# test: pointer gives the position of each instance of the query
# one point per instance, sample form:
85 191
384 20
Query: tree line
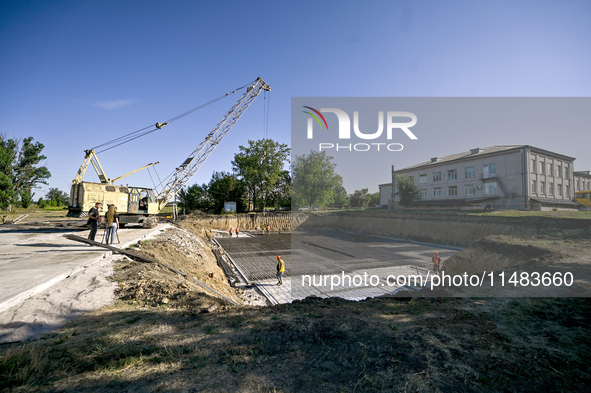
259 179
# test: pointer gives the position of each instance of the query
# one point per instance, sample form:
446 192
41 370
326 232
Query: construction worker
436 263
268 229
237 231
280 270
230 231
93 219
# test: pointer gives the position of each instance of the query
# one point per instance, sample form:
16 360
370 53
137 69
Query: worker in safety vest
280 270
436 263
230 232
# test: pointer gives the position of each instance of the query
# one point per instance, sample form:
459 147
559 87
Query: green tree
374 199
339 196
359 198
26 198
18 168
407 191
225 187
281 195
59 197
260 166
314 179
195 197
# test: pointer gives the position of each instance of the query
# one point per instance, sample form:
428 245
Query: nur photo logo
392 120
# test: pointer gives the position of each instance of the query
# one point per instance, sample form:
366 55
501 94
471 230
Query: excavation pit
332 263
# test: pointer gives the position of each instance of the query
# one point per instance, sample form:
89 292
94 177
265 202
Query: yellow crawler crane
140 204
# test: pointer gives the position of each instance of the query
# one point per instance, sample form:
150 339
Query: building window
452 175
566 192
532 167
534 190
491 188
470 172
549 169
423 179
577 186
490 170
436 176
436 192
558 171
423 192
541 168
542 187
559 189
550 188
469 189
566 172
452 191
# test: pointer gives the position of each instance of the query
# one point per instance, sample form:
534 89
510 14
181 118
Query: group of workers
111 218
266 230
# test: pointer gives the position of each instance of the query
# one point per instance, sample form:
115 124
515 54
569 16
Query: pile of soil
527 254
150 284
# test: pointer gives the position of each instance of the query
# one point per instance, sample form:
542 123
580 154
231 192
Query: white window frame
551 188
543 187
533 166
437 192
534 187
423 178
470 170
439 176
423 193
452 191
452 174
488 187
469 189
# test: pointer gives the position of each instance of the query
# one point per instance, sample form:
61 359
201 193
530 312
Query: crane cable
134 135
266 105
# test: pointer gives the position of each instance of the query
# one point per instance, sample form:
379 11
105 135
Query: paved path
33 259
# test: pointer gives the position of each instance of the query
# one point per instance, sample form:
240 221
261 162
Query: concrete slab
328 263
33 259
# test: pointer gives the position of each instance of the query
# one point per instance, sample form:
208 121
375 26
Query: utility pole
392 186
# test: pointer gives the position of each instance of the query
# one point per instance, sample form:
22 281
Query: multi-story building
513 177
582 180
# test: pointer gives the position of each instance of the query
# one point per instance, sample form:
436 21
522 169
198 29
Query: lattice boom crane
191 165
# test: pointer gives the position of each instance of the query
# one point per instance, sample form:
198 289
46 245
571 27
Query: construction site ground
160 331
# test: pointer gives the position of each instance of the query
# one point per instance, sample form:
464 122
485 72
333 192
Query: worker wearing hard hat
436 263
280 270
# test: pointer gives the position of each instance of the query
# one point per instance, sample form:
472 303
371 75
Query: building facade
510 177
582 180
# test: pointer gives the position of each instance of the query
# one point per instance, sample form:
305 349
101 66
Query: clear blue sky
80 73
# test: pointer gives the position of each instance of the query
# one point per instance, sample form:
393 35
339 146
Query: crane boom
191 165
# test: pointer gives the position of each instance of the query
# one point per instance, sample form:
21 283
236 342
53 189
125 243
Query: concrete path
33 259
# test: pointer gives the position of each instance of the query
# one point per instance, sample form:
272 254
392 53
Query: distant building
582 180
510 177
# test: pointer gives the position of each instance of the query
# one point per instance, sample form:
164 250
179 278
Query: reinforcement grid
325 252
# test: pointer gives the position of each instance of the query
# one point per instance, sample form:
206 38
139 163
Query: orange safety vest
436 260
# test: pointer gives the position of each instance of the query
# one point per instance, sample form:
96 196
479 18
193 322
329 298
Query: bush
41 203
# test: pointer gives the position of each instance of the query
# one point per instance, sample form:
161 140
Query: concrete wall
441 229
458 230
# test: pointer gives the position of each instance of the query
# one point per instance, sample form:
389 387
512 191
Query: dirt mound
527 255
150 284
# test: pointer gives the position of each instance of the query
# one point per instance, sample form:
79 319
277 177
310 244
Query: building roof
477 152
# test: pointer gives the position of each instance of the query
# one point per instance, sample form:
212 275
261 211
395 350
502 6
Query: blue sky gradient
76 74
